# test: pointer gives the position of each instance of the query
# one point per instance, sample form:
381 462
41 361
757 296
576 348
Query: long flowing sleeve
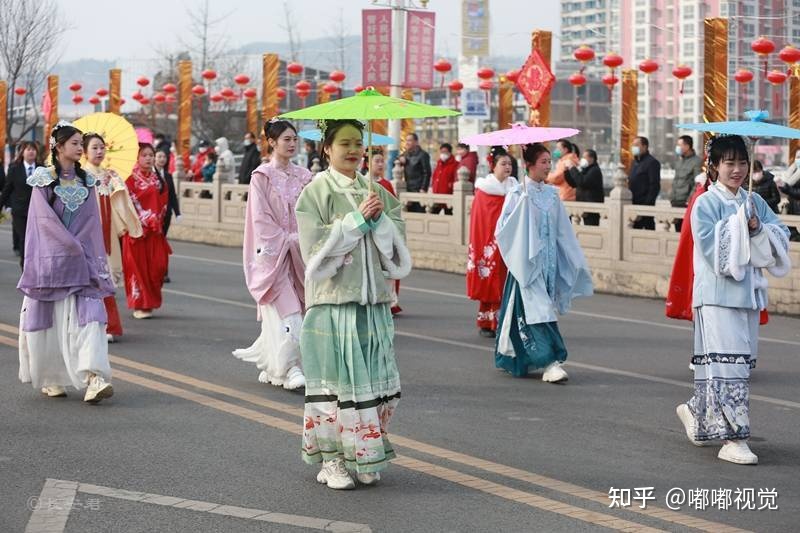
388 234
517 238
573 278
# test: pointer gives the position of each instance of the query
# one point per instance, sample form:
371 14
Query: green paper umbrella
369 105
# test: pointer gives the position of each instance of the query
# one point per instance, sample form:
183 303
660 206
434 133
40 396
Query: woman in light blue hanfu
736 235
547 270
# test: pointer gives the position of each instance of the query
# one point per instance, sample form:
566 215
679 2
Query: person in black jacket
644 180
587 179
793 192
764 185
173 207
17 193
251 159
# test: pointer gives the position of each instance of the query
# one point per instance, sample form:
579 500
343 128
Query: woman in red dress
486 271
145 259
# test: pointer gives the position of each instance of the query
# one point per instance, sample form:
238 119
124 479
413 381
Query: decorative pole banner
406 124
376 47
50 104
183 142
629 123
114 90
269 94
475 28
715 84
3 116
538 78
505 107
794 109
420 28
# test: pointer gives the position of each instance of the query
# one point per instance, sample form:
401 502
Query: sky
115 29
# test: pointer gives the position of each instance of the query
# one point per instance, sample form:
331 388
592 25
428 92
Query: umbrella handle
752 168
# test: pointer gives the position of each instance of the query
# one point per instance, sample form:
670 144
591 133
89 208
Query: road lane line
422 447
51 508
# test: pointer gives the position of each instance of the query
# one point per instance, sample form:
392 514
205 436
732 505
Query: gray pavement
479 450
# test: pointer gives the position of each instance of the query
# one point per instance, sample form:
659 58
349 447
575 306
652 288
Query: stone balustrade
624 260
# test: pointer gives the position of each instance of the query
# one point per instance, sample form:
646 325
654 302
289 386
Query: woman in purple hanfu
62 333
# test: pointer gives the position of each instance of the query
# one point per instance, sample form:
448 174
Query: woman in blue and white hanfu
735 235
546 270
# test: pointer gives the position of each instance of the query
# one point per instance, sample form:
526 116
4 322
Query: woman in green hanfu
353 243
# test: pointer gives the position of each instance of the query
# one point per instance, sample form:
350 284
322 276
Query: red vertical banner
376 47
420 40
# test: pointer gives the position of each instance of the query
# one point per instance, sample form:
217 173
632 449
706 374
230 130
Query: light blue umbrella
755 128
377 138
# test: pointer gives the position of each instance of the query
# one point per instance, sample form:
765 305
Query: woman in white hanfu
735 235
273 265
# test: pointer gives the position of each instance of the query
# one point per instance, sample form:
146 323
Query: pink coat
273 267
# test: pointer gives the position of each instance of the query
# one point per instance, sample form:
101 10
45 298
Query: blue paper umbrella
377 138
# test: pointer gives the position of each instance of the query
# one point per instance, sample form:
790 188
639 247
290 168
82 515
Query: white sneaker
294 379
334 474
554 373
737 451
138 313
109 338
98 390
369 478
54 391
687 418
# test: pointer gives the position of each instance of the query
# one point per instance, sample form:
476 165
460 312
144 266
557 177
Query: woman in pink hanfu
273 266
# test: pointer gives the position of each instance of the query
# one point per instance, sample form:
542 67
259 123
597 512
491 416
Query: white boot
294 379
98 390
334 474
369 478
737 451
554 373
54 391
686 416
110 338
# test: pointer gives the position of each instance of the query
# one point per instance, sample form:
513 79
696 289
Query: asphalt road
479 450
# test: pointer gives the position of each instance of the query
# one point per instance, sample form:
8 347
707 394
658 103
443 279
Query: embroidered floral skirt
725 349
487 315
534 345
145 261
352 384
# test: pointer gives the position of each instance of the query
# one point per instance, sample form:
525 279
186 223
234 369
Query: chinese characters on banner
475 28
376 47
419 49
535 79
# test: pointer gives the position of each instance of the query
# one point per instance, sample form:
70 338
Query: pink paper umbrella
144 135
519 134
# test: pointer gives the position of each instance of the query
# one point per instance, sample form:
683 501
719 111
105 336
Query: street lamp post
398 69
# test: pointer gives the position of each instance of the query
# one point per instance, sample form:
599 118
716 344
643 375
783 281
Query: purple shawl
61 261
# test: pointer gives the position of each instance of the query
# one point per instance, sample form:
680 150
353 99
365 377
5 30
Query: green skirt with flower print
352 384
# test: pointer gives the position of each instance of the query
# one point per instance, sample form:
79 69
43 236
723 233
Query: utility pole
398 69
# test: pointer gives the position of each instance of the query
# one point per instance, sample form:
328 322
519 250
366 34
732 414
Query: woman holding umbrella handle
353 244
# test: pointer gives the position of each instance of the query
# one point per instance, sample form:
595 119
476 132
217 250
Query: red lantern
138 96
577 79
789 54
281 93
762 46
486 85
170 88
142 82
513 75
776 77
609 80
102 92
442 66
209 75
227 92
613 60
302 93
216 98
241 79
75 87
198 90
681 72
144 101
358 88
648 66
294 68
455 85
159 98
302 85
250 93
485 73
743 76
584 54
171 99
77 99
337 76
94 100
330 88
20 91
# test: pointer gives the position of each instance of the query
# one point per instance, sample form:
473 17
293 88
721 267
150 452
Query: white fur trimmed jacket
349 259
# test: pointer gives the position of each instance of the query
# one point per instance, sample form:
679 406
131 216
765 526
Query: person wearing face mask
250 160
764 185
644 180
444 176
565 157
225 163
467 159
587 178
687 166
